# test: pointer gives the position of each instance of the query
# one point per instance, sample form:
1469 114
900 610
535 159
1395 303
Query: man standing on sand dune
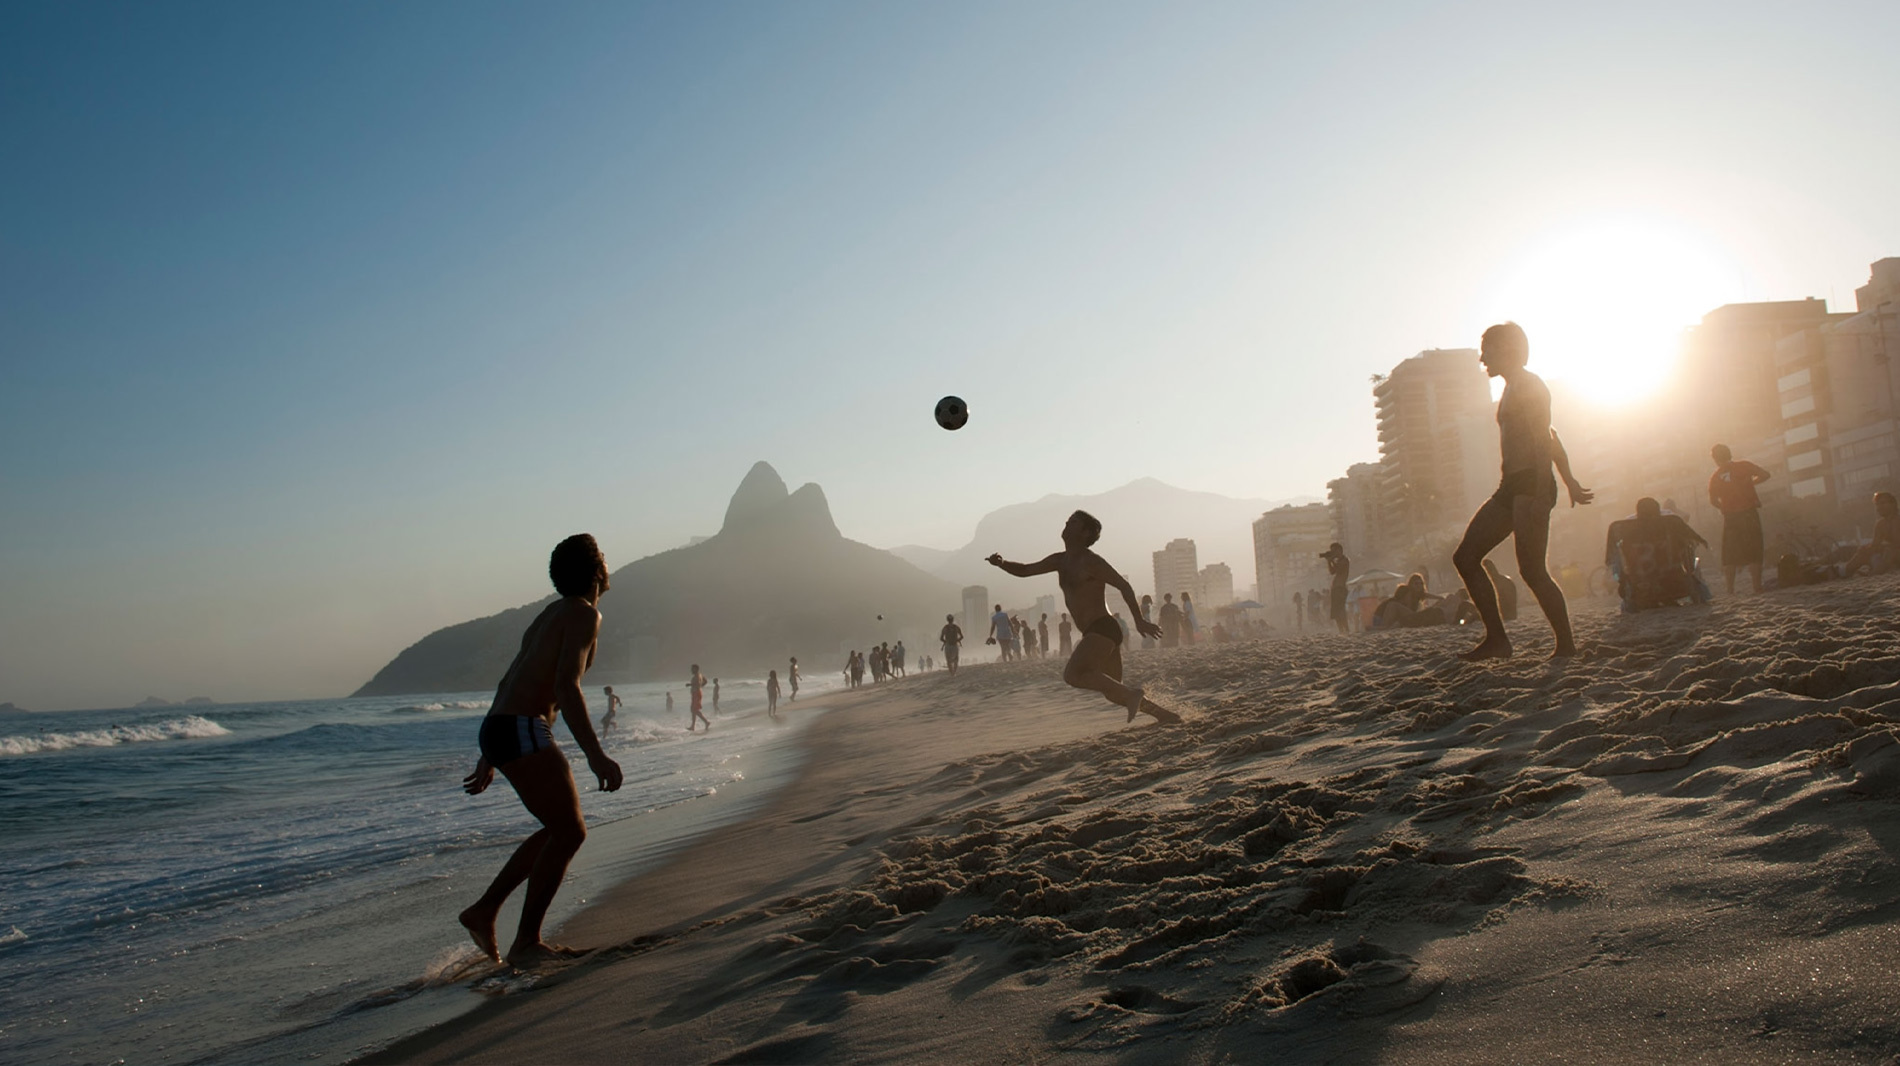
1085 578
517 738
1521 507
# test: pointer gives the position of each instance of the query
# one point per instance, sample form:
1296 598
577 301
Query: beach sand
1679 846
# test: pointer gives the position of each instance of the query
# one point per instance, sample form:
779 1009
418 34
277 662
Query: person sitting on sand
613 710
1521 507
1410 606
1877 555
517 738
1085 578
1653 557
951 637
771 694
697 683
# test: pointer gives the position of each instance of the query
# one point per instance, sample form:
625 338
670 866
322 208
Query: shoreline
1684 844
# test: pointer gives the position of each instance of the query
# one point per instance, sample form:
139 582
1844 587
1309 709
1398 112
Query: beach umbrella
1375 577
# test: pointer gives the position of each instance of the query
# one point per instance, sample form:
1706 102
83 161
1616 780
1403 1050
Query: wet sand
1679 846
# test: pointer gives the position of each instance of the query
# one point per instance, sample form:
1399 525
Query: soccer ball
952 412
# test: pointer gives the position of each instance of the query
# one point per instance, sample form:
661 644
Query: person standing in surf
697 685
1521 507
1085 578
517 738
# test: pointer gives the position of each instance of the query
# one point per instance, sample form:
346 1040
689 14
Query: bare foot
1161 714
1134 705
528 956
1565 650
1491 648
481 929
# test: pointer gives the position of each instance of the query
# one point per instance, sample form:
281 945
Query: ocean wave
11 937
190 727
451 705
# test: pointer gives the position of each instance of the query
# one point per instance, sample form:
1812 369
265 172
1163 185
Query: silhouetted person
1190 625
697 685
1085 578
1000 632
792 676
1732 491
771 694
1170 621
613 711
1147 615
1064 633
1653 557
951 637
897 659
1411 606
715 695
1877 555
517 738
1521 507
669 701
1339 568
1506 588
1299 611
1042 638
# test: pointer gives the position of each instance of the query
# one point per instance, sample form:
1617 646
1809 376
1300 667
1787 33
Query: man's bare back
528 688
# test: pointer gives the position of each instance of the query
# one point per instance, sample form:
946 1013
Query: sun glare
1605 302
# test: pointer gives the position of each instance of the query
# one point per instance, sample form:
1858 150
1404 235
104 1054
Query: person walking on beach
697 683
517 738
1085 578
1732 491
1170 621
792 676
1042 638
1340 568
999 632
1063 633
1521 507
771 694
613 710
951 637
897 659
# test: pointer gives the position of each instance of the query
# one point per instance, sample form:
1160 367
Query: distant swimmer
1085 578
517 738
793 678
1065 633
1732 491
771 694
1340 568
951 637
1521 507
697 683
613 710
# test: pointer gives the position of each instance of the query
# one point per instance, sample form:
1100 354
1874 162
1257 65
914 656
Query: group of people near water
516 739
884 661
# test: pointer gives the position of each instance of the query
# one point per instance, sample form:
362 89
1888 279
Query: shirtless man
1085 578
1521 507
697 683
951 637
793 678
613 710
517 739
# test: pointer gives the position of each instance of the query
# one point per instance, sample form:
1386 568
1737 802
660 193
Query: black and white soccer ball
952 412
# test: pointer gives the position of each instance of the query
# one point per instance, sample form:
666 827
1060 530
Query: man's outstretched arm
1046 566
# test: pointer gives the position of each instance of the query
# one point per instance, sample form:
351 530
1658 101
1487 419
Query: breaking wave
190 727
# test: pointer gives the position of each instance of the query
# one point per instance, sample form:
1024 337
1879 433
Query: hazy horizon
325 323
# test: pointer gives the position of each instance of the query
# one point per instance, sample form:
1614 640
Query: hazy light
1605 302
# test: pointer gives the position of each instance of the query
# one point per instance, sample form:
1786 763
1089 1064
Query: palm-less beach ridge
1676 847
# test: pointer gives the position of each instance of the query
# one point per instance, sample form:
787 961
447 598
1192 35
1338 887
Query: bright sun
1605 301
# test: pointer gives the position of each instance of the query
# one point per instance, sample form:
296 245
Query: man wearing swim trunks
516 739
1085 578
697 683
1521 507
1732 491
951 637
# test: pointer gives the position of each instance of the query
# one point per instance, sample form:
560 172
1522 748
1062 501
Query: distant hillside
1138 519
777 580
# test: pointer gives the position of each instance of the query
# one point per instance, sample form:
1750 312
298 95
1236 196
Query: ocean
279 881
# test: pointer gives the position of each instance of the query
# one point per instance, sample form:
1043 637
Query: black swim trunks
1106 627
507 737
1540 485
1742 538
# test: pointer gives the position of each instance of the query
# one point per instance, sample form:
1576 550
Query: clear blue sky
320 323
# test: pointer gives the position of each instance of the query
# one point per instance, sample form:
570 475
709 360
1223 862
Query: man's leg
1097 666
1487 530
546 787
1532 540
479 918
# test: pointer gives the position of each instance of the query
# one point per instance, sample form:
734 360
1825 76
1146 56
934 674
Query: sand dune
1679 846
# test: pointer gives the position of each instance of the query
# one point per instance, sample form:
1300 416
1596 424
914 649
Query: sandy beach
1677 847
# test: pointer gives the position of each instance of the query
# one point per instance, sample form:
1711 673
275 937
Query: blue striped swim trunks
507 737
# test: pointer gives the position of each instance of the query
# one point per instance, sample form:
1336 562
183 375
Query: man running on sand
1085 578
1520 509
517 739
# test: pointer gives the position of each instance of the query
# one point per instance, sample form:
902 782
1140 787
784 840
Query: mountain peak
760 492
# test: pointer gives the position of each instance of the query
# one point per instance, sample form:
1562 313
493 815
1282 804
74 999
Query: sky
320 324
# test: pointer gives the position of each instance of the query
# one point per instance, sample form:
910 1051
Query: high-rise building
1287 542
1176 569
1438 443
976 613
1836 386
1216 586
1358 518
1045 605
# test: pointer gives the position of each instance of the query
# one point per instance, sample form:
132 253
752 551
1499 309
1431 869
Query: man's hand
480 778
606 771
994 559
1578 494
1147 628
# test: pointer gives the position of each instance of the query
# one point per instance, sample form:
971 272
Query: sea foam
190 727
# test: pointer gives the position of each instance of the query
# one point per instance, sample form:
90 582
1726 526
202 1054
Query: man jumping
1085 578
517 739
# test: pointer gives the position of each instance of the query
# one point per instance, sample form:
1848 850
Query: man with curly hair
517 739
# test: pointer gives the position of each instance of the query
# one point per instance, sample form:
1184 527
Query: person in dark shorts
1521 507
1340 568
1732 491
1085 578
517 738
951 637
